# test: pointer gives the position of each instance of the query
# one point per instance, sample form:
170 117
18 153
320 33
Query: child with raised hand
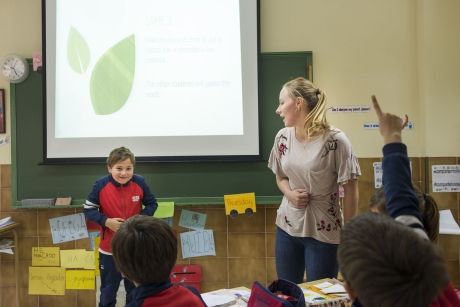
114 198
145 251
388 260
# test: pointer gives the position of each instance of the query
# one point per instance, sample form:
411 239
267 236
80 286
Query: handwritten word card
197 243
68 228
46 280
77 259
193 220
240 203
80 279
45 256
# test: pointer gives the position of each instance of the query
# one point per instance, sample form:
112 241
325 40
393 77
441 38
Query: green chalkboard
182 182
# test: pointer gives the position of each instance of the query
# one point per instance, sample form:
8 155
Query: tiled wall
244 245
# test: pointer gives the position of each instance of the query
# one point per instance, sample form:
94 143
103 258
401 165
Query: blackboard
182 182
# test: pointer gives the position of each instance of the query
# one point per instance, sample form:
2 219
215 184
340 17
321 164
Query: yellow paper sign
46 280
165 209
240 203
97 240
45 256
80 279
74 259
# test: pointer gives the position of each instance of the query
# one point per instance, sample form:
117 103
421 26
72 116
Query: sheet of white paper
447 223
324 285
217 299
337 288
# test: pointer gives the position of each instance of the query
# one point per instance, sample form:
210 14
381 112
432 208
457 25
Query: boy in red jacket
113 199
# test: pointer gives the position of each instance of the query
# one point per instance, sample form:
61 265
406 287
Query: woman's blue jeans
295 255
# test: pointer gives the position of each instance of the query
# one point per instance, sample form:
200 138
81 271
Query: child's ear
350 290
109 169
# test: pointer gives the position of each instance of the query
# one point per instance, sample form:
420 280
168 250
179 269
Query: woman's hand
299 198
114 223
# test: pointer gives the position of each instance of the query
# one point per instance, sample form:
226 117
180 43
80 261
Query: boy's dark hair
427 205
120 154
388 264
145 249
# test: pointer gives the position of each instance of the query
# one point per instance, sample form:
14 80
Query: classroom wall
404 51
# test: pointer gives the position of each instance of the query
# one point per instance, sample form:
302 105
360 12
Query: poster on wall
446 178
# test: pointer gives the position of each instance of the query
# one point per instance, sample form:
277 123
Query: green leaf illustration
78 53
112 77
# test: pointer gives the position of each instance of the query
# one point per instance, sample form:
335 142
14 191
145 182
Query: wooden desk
11 228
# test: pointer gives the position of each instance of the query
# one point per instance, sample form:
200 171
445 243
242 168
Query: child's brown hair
427 206
145 249
120 154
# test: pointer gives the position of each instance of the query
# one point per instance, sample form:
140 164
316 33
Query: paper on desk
337 288
324 285
218 299
447 223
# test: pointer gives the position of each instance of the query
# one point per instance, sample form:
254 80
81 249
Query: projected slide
151 69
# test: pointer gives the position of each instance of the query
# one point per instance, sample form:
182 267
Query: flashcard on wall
45 256
77 259
197 243
46 280
68 228
445 178
243 203
165 209
80 279
92 235
192 220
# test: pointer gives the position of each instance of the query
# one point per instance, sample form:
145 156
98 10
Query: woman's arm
298 197
350 199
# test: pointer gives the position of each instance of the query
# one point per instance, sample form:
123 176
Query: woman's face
289 108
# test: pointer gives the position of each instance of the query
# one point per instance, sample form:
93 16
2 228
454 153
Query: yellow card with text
45 256
80 279
240 203
73 258
46 280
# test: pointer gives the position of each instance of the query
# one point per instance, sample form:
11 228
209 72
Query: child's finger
405 120
376 106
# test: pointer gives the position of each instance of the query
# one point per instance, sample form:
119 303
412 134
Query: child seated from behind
427 206
145 251
388 260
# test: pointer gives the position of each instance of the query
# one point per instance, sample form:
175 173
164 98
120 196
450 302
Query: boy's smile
122 171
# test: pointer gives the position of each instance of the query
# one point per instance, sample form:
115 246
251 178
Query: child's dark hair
120 154
427 206
145 249
388 263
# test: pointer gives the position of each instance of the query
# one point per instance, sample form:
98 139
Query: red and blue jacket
165 294
110 199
